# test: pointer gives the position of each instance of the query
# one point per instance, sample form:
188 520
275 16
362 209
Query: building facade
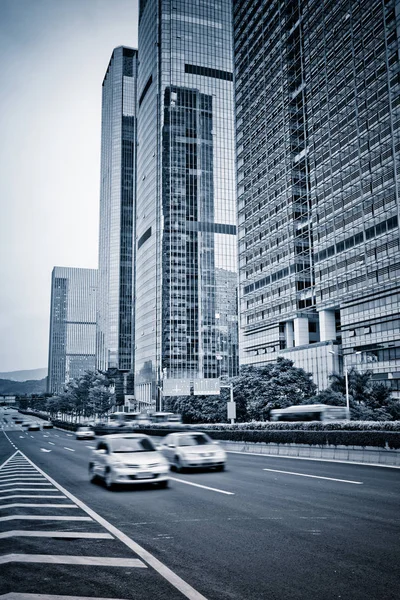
115 323
318 141
72 325
186 253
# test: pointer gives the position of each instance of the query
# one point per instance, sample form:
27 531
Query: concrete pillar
327 325
301 336
289 335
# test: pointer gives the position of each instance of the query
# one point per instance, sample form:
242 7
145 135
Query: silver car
128 458
192 449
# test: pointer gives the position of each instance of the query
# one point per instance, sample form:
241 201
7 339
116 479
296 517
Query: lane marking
28 505
56 534
205 487
17 596
42 518
52 443
48 488
94 561
70 449
4 480
35 482
330 460
180 584
44 450
315 476
91 447
31 496
69 435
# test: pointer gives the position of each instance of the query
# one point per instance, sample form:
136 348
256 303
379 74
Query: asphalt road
266 528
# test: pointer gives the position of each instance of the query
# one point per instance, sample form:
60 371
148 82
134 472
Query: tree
275 385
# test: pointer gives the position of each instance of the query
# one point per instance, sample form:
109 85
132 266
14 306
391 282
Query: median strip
314 476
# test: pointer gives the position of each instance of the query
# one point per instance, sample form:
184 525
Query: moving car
34 427
47 425
25 423
192 449
129 458
84 432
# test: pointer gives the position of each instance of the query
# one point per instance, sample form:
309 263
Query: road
266 528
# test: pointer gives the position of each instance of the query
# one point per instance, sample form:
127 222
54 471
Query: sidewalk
369 455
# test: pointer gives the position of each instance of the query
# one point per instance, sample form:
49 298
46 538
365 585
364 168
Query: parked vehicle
192 449
129 458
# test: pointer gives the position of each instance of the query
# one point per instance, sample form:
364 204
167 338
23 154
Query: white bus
310 412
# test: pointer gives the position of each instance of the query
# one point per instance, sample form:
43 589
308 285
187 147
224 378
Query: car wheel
163 484
220 468
92 474
108 480
178 464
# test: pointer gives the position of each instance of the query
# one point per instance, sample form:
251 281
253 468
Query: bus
166 417
310 412
137 419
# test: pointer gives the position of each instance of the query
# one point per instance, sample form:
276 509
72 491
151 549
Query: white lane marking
52 443
69 434
32 436
44 435
205 487
16 471
91 447
22 483
29 505
44 450
157 565
31 496
314 476
94 561
330 460
42 518
17 596
48 488
11 457
70 449
56 534
19 479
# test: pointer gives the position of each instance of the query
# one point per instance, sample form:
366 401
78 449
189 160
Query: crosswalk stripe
31 496
18 596
56 534
42 518
94 561
29 505
45 488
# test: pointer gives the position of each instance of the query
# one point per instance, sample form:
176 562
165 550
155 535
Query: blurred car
47 425
192 449
18 421
84 432
26 423
128 459
34 427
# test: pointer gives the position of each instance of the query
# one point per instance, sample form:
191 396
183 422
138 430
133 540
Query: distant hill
24 375
13 388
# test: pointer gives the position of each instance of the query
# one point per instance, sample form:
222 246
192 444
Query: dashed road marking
314 476
52 443
70 449
205 487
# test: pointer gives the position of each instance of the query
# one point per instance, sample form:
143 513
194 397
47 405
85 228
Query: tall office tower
318 140
72 325
115 324
186 330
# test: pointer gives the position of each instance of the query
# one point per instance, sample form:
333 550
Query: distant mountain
24 375
14 388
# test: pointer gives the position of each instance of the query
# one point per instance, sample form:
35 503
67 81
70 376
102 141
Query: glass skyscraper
318 141
186 311
115 325
72 325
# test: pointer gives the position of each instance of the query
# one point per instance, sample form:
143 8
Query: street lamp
346 379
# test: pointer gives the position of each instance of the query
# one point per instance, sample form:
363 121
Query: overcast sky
54 57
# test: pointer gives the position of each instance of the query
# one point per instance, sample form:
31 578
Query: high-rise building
186 254
318 166
72 325
115 324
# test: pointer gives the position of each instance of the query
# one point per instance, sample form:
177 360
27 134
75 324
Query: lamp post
346 380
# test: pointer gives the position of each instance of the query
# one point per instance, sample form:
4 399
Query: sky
54 57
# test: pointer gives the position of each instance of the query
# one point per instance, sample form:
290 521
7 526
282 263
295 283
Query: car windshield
132 445
194 440
84 429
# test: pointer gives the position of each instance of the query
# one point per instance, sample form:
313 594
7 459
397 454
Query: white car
128 458
192 449
84 432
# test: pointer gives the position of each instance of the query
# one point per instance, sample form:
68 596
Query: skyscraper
72 325
318 140
186 201
115 326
